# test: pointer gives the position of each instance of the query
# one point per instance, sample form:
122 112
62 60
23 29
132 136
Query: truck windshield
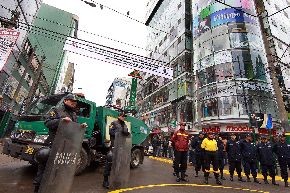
42 105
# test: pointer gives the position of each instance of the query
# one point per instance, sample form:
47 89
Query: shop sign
8 38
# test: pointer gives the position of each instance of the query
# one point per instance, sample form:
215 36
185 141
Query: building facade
13 14
34 65
163 101
220 67
119 93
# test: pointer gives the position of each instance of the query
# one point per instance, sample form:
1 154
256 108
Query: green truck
30 132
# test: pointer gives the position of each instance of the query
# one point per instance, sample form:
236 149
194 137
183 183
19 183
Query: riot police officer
199 157
266 158
116 126
220 156
249 157
65 112
282 150
234 157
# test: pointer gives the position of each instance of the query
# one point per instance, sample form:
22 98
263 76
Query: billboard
8 39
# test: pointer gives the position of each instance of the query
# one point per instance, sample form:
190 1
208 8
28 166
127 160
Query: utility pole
272 63
30 58
35 83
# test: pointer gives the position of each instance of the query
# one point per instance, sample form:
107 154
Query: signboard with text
8 39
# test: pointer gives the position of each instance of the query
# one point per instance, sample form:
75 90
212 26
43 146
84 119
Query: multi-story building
12 13
36 68
163 101
218 45
280 31
66 77
118 93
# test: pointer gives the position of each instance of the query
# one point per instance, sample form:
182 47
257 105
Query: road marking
192 185
259 176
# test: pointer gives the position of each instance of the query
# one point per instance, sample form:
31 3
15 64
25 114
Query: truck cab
30 132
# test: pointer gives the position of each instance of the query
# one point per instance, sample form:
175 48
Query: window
239 40
209 108
221 42
283 29
224 71
179 5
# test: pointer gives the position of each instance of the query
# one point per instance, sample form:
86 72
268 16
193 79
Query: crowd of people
209 149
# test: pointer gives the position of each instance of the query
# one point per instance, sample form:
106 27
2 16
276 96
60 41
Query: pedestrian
65 112
282 150
191 153
267 159
225 152
180 140
199 153
210 147
159 146
249 157
154 145
116 126
165 144
220 156
234 157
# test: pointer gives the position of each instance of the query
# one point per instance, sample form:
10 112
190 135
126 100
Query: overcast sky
92 76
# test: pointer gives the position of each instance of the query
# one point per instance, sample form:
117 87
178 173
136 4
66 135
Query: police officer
116 126
65 112
220 156
234 157
282 150
249 157
210 147
199 157
180 139
266 158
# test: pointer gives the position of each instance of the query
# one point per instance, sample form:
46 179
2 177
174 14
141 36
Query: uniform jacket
248 150
234 150
220 150
196 145
180 140
117 126
209 145
282 150
265 153
53 119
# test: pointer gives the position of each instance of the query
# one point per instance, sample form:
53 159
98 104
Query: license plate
29 150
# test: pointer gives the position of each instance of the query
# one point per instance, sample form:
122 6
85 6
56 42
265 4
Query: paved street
154 176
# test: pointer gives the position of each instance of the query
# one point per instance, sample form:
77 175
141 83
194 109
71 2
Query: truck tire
83 162
136 157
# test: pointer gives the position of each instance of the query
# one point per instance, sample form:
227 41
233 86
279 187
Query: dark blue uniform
52 121
267 160
282 151
220 157
235 158
199 154
249 157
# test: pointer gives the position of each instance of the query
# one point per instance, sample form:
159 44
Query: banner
118 57
8 39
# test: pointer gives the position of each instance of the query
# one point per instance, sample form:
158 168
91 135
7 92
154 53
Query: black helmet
70 97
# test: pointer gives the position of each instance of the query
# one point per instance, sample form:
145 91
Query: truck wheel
83 162
136 157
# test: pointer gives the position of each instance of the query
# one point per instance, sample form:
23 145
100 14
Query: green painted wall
50 43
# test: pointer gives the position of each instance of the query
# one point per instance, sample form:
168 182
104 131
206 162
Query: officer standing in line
116 126
249 157
220 153
282 150
65 112
180 140
210 147
199 157
234 157
266 158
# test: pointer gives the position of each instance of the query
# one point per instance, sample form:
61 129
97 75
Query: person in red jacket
180 139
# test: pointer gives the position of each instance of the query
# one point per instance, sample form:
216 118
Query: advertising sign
229 16
8 38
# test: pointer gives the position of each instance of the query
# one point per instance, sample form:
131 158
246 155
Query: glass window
221 42
239 40
209 108
206 48
259 62
228 106
207 61
210 75
222 57
224 71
